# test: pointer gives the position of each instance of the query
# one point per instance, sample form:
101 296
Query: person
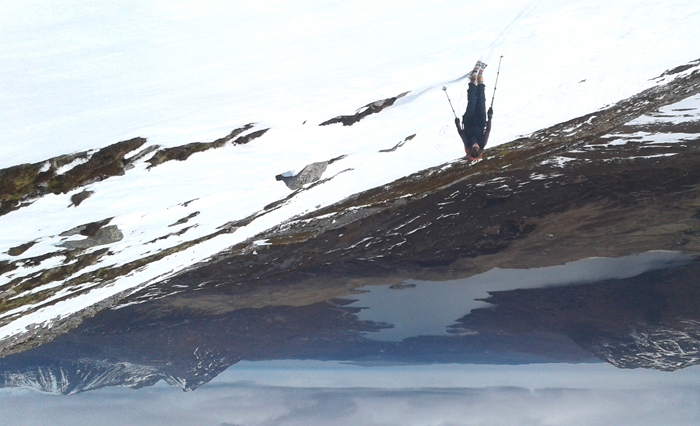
475 129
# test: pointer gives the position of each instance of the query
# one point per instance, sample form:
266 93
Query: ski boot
475 72
480 73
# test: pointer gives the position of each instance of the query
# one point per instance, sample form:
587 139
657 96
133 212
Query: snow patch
687 110
558 161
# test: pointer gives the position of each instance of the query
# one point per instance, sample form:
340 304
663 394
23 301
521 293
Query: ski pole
444 89
494 85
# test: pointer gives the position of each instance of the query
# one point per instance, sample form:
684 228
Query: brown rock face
20 184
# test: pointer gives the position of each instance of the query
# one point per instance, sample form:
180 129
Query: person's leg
472 100
480 107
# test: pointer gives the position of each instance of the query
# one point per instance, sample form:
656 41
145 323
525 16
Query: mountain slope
563 193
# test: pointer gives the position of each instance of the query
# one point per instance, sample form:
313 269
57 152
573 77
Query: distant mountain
648 321
151 342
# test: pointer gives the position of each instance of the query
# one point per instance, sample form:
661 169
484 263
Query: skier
474 129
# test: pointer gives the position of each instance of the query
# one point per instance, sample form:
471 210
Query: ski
482 67
478 69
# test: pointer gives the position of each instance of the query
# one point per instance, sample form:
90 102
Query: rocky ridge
648 321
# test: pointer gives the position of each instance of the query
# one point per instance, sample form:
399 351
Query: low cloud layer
223 402
251 405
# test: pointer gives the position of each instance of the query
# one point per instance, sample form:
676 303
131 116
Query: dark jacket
471 135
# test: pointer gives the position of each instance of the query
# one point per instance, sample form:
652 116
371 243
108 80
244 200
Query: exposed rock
88 229
108 235
172 234
18 181
249 137
39 334
310 173
140 155
19 184
16 251
679 69
96 234
369 109
398 145
78 198
6 266
184 219
182 153
74 262
102 164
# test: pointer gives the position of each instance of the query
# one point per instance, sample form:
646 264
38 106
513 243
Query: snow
684 111
639 156
79 76
71 165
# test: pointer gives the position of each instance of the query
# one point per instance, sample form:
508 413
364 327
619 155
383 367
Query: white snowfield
78 76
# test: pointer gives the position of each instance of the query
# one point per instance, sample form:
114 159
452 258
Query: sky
83 74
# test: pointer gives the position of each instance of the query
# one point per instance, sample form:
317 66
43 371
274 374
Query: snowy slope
79 77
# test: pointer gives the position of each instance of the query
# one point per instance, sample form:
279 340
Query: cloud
250 404
334 394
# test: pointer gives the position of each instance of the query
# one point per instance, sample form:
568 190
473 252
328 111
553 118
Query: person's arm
459 128
487 130
462 136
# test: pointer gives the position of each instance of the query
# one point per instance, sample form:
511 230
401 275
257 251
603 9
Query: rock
399 145
88 229
106 162
310 173
107 235
23 183
16 251
372 108
78 198
184 219
183 152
